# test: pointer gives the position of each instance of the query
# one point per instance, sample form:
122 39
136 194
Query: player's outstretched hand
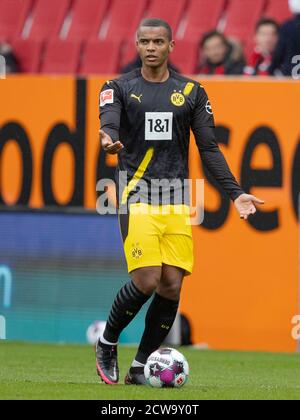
108 145
245 205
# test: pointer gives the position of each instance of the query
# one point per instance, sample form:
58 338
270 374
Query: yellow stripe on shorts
138 175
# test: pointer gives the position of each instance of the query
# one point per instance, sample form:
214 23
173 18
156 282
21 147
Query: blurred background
213 36
60 262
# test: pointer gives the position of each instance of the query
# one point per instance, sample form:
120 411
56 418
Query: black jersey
153 121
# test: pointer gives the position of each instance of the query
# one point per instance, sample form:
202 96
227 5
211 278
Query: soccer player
146 117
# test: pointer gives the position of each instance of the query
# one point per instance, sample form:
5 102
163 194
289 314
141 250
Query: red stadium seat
278 10
124 18
169 10
185 56
100 57
61 57
48 17
28 53
86 21
202 16
13 14
242 18
130 53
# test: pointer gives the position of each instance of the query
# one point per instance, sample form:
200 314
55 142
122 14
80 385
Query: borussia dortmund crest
178 99
136 251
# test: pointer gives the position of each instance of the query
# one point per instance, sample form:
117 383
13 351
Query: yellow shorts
156 235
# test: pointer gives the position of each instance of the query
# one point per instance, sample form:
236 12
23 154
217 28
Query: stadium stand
125 16
86 21
278 10
129 52
185 56
28 54
197 22
47 18
242 17
169 10
112 23
61 56
100 57
13 14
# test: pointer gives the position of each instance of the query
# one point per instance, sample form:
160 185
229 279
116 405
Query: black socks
127 304
159 320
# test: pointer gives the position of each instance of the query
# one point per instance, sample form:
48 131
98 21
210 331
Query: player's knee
171 290
147 286
146 279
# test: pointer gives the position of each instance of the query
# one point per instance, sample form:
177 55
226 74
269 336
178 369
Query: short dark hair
267 21
212 34
157 23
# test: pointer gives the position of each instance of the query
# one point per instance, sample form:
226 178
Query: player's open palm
246 205
108 145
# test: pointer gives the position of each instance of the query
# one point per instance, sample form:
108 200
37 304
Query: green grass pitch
36 371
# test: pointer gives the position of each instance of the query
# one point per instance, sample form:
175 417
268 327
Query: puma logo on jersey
138 98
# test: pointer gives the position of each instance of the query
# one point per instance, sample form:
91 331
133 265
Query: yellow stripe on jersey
138 175
188 88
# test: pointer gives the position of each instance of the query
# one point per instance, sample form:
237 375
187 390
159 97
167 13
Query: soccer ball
94 331
166 368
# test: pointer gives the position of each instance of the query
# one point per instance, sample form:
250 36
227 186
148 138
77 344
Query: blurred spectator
288 44
266 38
10 59
220 56
137 63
